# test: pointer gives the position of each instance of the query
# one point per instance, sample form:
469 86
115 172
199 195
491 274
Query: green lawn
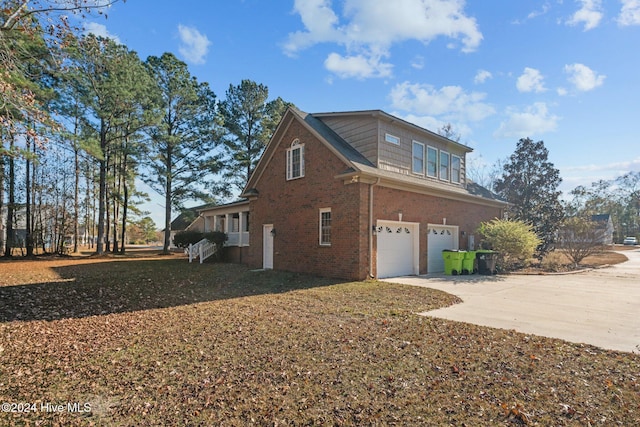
156 341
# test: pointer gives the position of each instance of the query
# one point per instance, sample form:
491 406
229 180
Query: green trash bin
469 263
487 261
452 261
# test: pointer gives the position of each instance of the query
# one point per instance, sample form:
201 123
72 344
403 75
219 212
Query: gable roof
345 149
384 116
358 167
342 149
184 219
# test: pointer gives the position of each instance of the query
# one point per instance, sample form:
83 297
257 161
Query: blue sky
563 71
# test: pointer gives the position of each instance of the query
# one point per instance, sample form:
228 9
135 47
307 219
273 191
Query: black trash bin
487 261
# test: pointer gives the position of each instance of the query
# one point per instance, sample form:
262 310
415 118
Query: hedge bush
515 241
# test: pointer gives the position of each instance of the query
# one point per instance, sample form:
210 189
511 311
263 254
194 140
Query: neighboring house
19 227
604 227
355 195
187 218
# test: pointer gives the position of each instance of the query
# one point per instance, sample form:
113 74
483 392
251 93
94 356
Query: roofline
298 115
224 206
391 118
400 184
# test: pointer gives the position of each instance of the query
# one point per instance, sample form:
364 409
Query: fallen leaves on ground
161 342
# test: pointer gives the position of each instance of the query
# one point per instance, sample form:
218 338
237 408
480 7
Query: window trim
295 146
436 172
459 180
321 241
413 157
448 177
391 139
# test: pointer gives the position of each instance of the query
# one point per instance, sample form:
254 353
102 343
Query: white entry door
397 253
267 246
439 238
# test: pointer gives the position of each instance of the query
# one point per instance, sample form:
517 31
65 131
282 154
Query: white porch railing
201 250
238 238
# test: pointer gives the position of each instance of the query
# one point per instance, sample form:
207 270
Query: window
432 162
456 163
325 227
220 223
246 221
295 160
235 223
444 165
392 139
418 157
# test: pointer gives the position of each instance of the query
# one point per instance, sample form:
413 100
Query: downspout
371 225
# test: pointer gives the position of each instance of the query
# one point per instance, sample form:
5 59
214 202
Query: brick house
358 194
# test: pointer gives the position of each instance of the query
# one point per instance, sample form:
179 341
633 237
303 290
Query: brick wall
293 207
424 209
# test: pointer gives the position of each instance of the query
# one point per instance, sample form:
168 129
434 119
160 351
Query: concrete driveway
599 307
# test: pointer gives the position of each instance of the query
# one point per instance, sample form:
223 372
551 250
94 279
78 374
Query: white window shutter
302 160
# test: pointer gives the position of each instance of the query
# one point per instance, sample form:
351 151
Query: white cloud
617 167
583 78
534 14
630 13
99 30
572 176
530 81
482 76
449 102
534 120
418 62
434 125
358 66
371 27
194 46
590 14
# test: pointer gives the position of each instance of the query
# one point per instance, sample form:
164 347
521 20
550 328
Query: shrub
184 238
218 238
515 241
580 237
553 261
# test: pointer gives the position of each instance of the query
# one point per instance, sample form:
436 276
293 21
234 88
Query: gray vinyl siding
398 159
359 131
366 133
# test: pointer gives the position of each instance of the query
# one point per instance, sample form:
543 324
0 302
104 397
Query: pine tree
249 121
182 161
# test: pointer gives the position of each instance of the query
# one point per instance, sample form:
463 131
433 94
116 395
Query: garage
439 238
397 248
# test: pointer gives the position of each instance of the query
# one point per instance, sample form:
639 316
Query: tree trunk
102 192
115 192
28 235
76 188
124 218
8 249
167 206
1 194
125 201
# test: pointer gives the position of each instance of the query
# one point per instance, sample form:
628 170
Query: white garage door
439 238
397 244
